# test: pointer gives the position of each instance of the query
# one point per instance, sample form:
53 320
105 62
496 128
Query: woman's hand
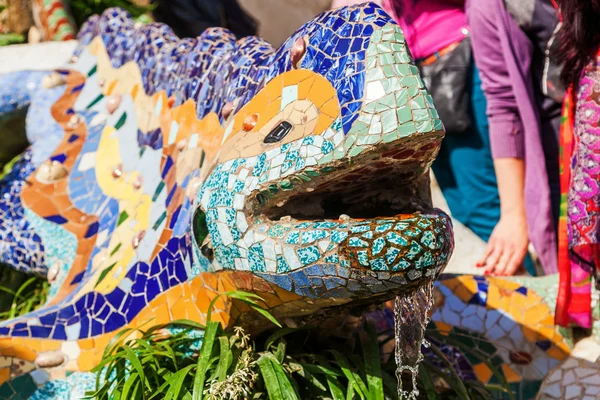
508 242
507 246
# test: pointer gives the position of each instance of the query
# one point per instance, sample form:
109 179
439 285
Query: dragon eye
279 132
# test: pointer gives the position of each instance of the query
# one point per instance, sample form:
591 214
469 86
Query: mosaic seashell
250 122
137 239
112 103
52 80
138 182
52 272
227 110
51 171
74 121
50 359
117 171
297 51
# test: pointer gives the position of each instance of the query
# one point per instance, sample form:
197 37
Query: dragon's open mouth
393 184
383 196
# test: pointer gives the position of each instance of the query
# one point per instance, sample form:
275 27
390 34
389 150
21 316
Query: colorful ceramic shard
165 171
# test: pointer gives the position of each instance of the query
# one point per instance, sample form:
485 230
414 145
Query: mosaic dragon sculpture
163 172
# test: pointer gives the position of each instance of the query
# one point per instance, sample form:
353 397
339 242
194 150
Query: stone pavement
42 56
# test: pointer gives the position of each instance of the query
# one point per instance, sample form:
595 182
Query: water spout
411 318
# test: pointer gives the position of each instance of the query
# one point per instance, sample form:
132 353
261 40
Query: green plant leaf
458 387
354 379
310 378
278 334
249 298
276 381
350 392
427 383
204 359
134 378
280 352
266 314
391 384
370 348
176 381
225 360
497 388
461 389
481 356
7 290
335 388
135 362
321 369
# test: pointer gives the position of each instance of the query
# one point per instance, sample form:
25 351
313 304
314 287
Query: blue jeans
465 172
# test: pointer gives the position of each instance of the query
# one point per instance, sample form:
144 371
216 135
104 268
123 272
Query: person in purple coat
511 41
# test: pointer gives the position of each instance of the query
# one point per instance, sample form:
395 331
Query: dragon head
321 184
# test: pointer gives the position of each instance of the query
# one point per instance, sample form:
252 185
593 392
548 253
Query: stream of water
411 318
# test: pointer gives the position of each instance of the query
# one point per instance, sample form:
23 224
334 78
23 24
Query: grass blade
336 389
278 334
391 384
354 379
250 298
460 386
370 348
276 381
266 314
204 359
483 357
350 393
225 359
321 369
133 378
176 381
427 383
137 365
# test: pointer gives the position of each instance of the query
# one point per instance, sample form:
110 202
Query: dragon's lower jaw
363 260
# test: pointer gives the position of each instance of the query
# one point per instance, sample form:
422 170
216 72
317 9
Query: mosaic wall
166 171
507 324
501 331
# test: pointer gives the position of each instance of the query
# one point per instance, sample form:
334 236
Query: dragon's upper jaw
380 185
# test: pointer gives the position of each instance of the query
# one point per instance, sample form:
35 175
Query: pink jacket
429 25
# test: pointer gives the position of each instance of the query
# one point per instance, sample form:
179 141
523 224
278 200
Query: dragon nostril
207 251
279 132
